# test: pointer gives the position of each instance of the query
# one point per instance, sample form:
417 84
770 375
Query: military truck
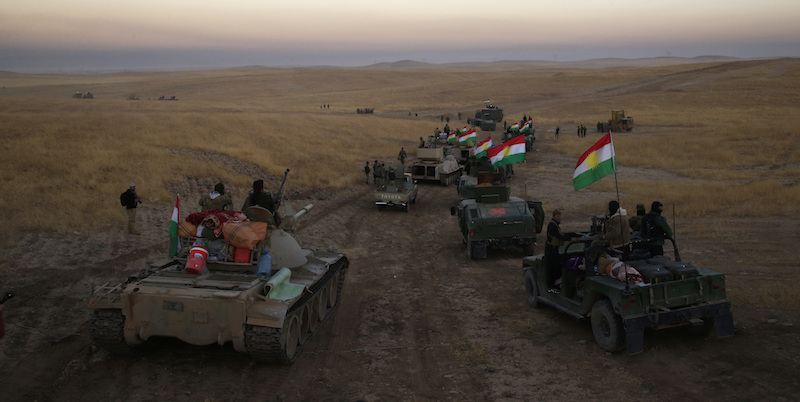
618 122
270 316
483 124
433 165
494 219
479 171
400 193
671 293
490 112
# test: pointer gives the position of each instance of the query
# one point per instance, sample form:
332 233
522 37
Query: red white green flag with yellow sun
596 163
511 151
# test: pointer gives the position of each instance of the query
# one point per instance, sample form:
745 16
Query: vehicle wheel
607 327
476 250
408 207
469 249
531 288
528 248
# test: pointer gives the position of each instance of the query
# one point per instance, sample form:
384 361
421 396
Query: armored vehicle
492 218
490 112
483 124
270 310
626 296
433 165
399 193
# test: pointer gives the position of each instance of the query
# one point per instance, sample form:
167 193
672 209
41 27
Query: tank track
264 343
106 329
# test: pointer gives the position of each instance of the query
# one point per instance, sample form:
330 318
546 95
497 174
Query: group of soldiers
581 131
645 230
380 173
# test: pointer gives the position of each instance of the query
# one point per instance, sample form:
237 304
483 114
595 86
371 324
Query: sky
103 35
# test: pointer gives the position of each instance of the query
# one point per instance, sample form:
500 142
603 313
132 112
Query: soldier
366 172
375 172
636 221
378 173
422 142
402 156
130 200
557 130
655 228
555 239
216 199
617 229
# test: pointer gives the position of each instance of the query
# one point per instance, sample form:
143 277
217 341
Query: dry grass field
715 141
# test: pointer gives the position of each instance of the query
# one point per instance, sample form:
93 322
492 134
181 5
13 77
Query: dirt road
418 319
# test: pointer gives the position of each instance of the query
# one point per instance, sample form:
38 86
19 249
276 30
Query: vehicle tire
469 249
408 207
532 288
607 327
528 249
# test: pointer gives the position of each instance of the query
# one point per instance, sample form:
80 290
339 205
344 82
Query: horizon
90 35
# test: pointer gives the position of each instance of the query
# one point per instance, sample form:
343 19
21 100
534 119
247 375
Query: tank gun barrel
290 221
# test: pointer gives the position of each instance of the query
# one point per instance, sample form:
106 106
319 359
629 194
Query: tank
272 318
433 165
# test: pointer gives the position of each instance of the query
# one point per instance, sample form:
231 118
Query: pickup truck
670 293
400 193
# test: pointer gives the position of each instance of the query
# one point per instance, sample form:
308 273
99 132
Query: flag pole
627 290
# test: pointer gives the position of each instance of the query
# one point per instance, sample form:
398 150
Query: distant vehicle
79 95
365 111
490 112
494 219
483 124
171 98
133 97
619 122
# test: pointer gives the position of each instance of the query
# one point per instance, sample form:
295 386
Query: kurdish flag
464 130
596 163
173 229
512 151
452 137
468 136
486 101
515 127
482 147
526 126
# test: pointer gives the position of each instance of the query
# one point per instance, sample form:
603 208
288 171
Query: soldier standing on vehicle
655 228
402 156
617 229
366 172
422 142
636 221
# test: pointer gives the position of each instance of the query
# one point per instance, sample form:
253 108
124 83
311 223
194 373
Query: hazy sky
87 35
